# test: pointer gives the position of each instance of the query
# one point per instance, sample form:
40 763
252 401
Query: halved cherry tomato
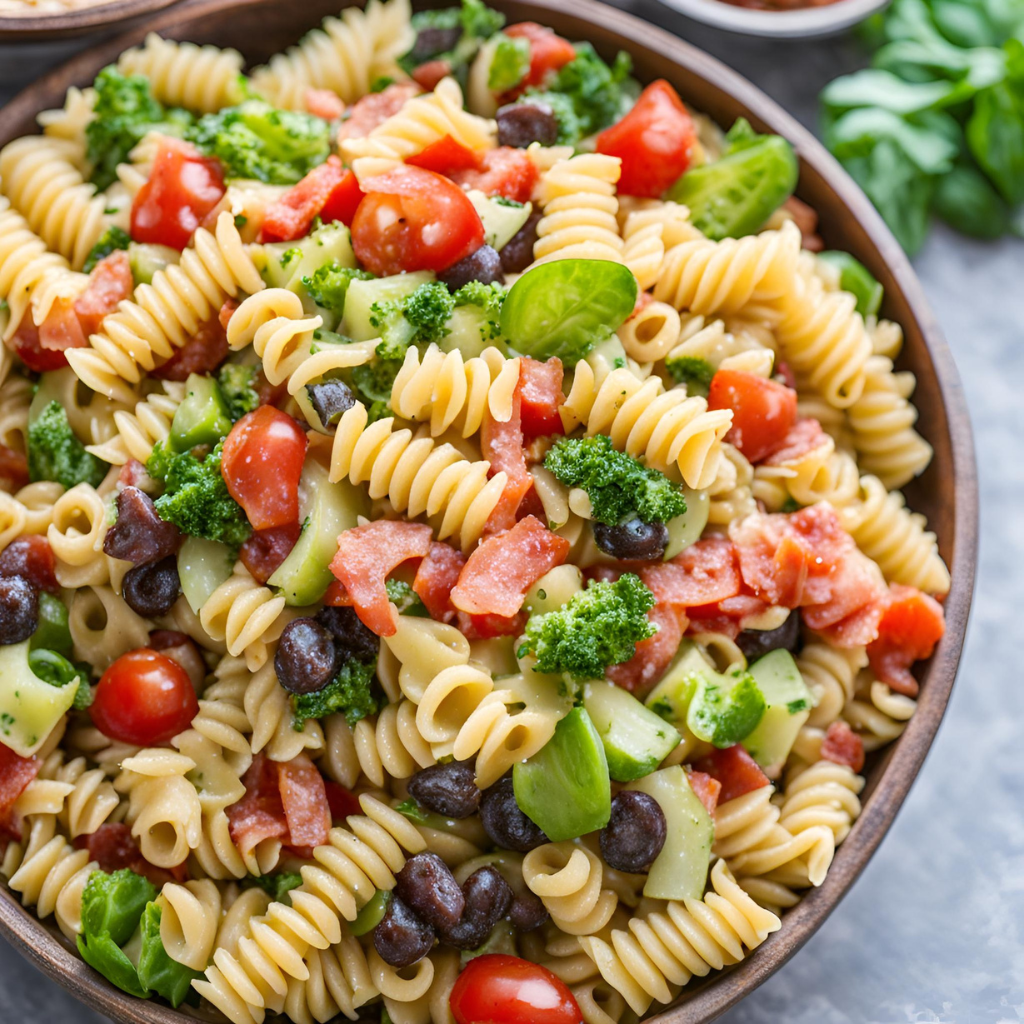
428 74
183 187
503 172
412 219
735 769
500 989
655 142
30 350
540 389
445 156
143 698
548 52
262 463
109 283
328 190
763 411
61 329
32 558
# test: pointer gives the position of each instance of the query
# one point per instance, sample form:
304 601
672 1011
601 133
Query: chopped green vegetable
855 278
54 453
725 716
412 810
328 285
694 372
406 599
600 626
478 23
112 904
111 240
236 386
509 64
374 381
157 970
351 691
55 669
52 632
277 885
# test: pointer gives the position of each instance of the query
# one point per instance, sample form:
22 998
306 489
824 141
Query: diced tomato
132 474
735 769
336 596
304 800
437 574
261 466
428 74
653 655
540 393
202 353
548 52
846 606
16 772
324 104
61 329
655 142
706 788
804 436
227 311
412 219
31 557
259 815
502 445
445 156
503 171
763 411
495 579
13 469
109 283
367 555
375 108
183 187
30 351
843 746
343 202
911 625
487 627
265 550
114 847
499 989
341 801
704 573
329 191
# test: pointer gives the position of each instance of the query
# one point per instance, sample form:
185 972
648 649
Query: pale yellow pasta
240 906
51 879
652 333
38 501
70 121
823 794
568 879
270 715
189 920
730 495
103 627
338 982
90 416
390 746
137 432
829 673
420 649
217 783
714 343
222 718
648 227
90 801
15 400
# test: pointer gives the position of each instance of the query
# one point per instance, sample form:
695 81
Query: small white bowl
803 23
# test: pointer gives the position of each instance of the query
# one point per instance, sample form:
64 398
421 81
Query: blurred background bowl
800 23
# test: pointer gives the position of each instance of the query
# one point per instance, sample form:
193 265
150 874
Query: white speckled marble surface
934 929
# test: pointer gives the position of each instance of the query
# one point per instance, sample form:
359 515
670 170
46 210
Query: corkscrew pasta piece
651 333
137 432
824 793
51 879
38 501
269 710
222 718
90 801
389 747
722 348
70 121
648 226
568 879
103 627
338 982
416 653
189 920
730 495
877 714
829 672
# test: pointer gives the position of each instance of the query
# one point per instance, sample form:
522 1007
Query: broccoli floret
724 717
374 382
256 140
158 971
489 297
328 285
694 372
350 691
111 240
405 599
236 386
619 487
509 64
600 626
791 505
475 22
421 316
54 453
196 498
478 20
381 82
278 884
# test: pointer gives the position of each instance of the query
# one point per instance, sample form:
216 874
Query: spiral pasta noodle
568 879
338 982
390 747
189 920
51 879
139 431
90 801
647 228
271 719
829 673
730 495
824 794
723 349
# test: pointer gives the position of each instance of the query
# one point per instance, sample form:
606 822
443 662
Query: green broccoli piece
791 505
277 885
489 297
694 372
405 599
236 386
478 20
600 626
111 240
509 64
381 82
350 691
722 716
54 453
420 317
620 488
196 498
256 140
374 382
157 970
328 285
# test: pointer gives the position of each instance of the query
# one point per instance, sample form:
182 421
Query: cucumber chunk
288 262
500 218
145 259
553 590
29 707
670 699
203 565
788 703
686 529
363 294
202 418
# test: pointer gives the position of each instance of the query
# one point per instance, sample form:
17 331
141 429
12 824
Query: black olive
427 885
756 642
484 266
330 399
527 912
635 833
635 541
449 789
432 40
352 638
151 590
401 938
505 823
307 658
19 609
520 124
517 253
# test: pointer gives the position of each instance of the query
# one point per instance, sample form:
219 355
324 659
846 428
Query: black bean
520 124
505 823
755 642
352 638
635 833
527 911
151 590
427 885
330 399
517 253
307 657
19 609
488 899
431 41
484 266
449 789
401 938
140 535
633 541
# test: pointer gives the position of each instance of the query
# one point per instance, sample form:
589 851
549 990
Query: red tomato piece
183 187
336 596
304 800
31 557
29 348
445 156
200 354
495 579
265 550
548 52
735 769
413 219
259 815
804 436
109 283
13 470
503 171
341 801
502 445
343 202
653 655
911 625
143 698
367 555
655 142
704 573
706 788
16 772
324 104
843 746
112 846
61 329
437 574
500 989
540 392
375 108
262 463
428 74
329 191
487 627
763 411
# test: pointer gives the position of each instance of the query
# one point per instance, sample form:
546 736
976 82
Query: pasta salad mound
452 556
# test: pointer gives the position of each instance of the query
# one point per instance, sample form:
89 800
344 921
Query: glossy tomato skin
329 191
500 989
29 347
655 142
503 171
414 219
548 52
261 465
763 411
144 698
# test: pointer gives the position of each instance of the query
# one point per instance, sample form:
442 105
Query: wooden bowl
946 493
63 24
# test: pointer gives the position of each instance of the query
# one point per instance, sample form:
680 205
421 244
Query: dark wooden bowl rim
61 24
947 492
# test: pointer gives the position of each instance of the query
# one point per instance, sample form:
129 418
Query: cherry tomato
540 387
655 142
183 187
144 698
31 351
413 219
61 329
500 989
763 411
548 52
328 190
109 283
445 156
503 171
262 463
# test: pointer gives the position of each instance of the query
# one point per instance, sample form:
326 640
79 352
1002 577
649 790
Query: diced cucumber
501 220
670 699
146 259
680 871
554 589
725 709
564 788
329 510
635 739
686 529
29 707
470 332
288 262
363 294
52 633
202 417
372 913
203 565
788 703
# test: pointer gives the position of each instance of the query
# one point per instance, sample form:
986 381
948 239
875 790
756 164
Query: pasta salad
452 556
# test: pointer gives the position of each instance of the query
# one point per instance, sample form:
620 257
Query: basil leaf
966 200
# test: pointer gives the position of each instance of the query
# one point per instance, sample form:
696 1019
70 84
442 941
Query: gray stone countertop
933 931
